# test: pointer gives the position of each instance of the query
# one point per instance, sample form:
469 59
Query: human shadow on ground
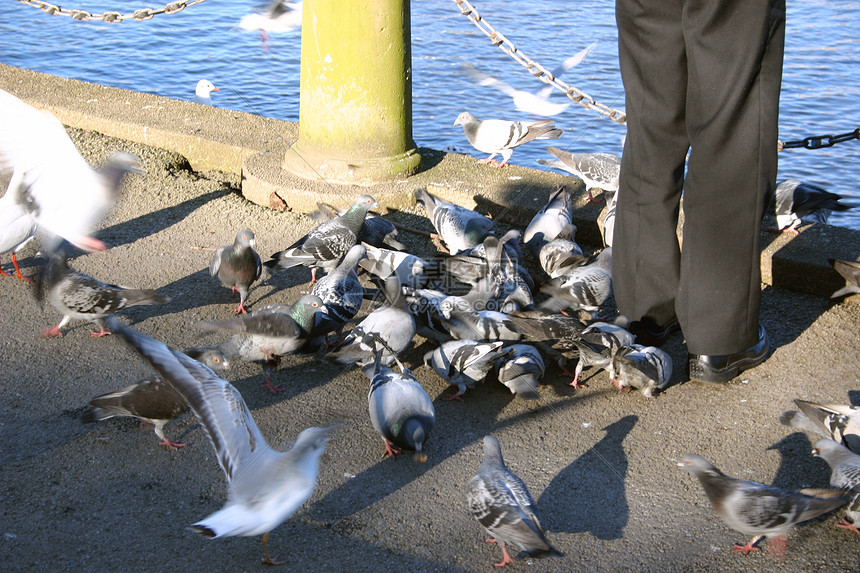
591 489
798 468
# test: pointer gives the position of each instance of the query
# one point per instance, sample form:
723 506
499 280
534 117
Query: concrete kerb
235 142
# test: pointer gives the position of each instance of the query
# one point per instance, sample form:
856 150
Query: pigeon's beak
816 452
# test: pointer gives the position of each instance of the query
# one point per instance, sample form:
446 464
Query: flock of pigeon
488 316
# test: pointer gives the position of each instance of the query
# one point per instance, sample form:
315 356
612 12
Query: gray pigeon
598 344
79 296
850 271
409 269
839 422
583 288
521 370
502 504
484 325
460 228
376 231
151 400
845 475
327 243
646 368
597 170
464 363
562 254
509 290
757 509
501 137
341 294
400 409
17 225
554 334
237 266
550 220
265 486
794 199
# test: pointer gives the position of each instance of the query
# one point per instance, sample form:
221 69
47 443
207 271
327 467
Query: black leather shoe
716 369
649 333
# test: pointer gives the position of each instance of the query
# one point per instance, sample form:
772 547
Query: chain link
499 40
110 16
819 141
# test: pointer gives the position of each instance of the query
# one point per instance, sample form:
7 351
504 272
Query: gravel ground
601 466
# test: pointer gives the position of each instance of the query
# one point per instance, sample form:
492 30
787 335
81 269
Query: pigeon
460 228
597 170
63 193
501 137
509 291
17 225
400 409
550 220
598 344
757 509
327 243
341 294
376 231
502 504
483 325
152 400
265 486
237 266
646 368
850 271
794 199
280 16
390 329
79 296
583 288
562 254
845 475
268 333
835 421
203 91
409 269
535 103
521 370
432 309
554 334
463 363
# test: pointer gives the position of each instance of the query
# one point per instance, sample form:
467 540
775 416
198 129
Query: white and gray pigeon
535 103
17 225
509 290
502 504
597 345
582 288
484 325
562 254
459 228
550 220
501 137
793 200
265 486
597 170
845 475
757 509
238 266
152 400
645 368
463 363
203 92
839 422
376 231
554 334
79 296
409 269
341 294
64 194
328 242
522 370
850 271
400 409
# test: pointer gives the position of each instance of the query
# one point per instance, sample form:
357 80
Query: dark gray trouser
701 76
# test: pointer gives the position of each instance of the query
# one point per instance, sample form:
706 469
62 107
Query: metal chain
819 141
83 15
537 70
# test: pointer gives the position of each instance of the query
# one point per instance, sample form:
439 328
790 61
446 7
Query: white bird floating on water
203 91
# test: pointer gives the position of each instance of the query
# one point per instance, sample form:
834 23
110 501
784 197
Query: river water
168 54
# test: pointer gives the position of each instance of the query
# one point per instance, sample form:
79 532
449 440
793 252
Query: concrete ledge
236 142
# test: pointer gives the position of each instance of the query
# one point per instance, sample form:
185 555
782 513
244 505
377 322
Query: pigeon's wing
837 421
215 401
266 322
497 507
215 263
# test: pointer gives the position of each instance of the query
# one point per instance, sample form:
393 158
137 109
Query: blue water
169 53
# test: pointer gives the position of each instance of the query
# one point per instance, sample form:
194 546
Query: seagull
845 475
850 271
17 225
265 486
838 422
502 504
794 199
501 137
757 509
535 103
79 296
646 368
550 220
280 16
237 266
63 193
202 92
460 228
597 170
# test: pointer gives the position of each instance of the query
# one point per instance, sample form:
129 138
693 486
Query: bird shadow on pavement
593 488
798 468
